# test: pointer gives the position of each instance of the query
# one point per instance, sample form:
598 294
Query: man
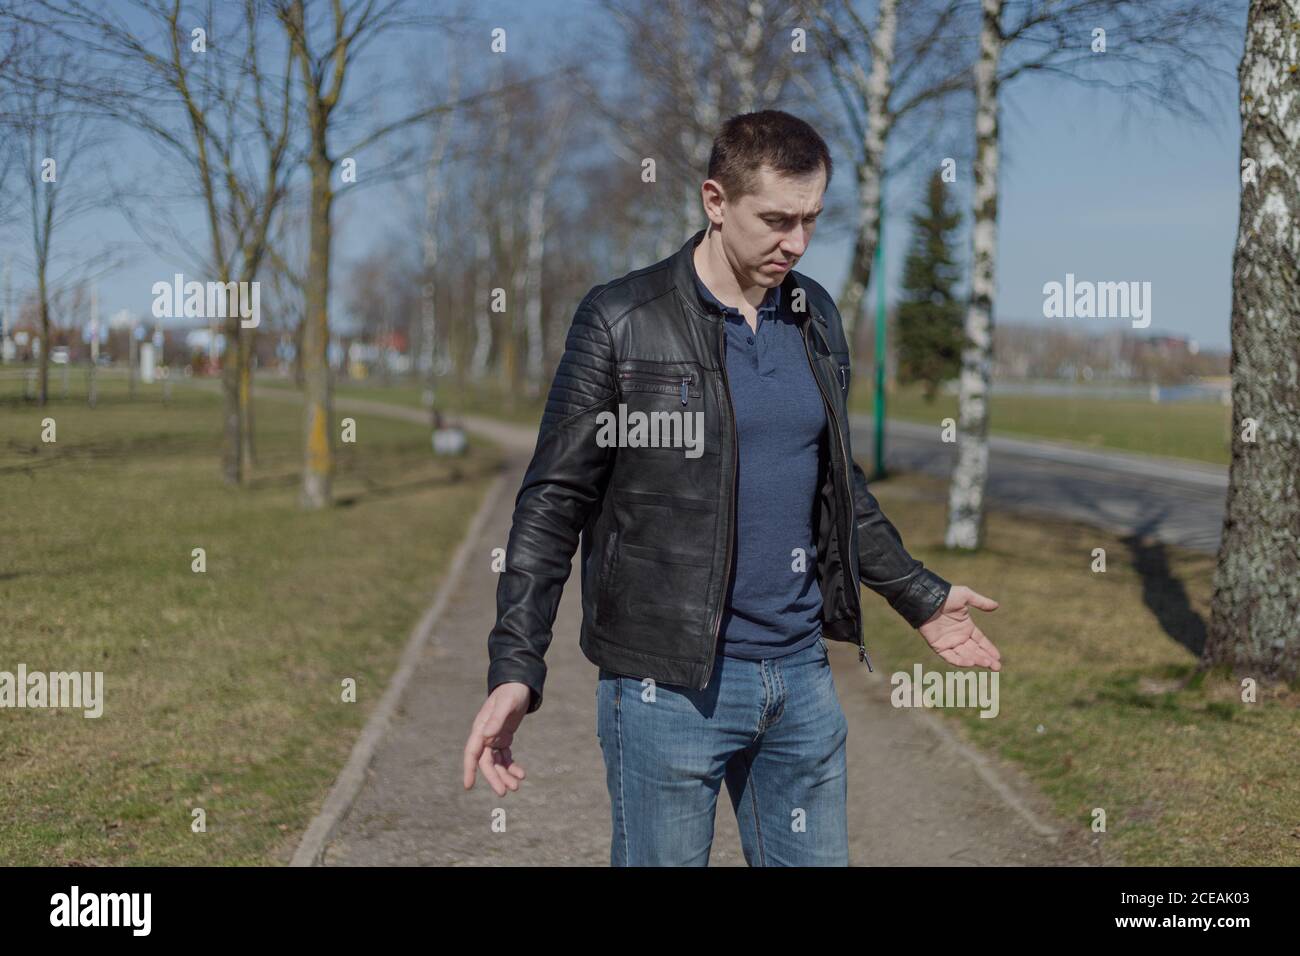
696 439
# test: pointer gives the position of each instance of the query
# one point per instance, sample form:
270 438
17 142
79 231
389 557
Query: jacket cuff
924 595
506 671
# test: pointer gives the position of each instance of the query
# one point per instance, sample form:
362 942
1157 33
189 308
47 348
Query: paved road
1177 503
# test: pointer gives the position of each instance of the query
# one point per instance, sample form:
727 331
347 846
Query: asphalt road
1171 501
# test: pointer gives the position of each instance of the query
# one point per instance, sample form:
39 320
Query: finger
473 750
510 781
987 645
959 655
491 774
511 766
983 603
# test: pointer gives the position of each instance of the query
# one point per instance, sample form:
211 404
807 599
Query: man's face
767 231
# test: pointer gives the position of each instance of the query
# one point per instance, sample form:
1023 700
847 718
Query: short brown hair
767 138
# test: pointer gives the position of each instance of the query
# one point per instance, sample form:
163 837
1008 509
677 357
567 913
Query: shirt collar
771 300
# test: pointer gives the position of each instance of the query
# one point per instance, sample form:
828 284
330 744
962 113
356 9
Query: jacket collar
683 273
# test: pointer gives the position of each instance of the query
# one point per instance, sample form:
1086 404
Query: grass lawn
1195 430
222 689
487 399
1187 773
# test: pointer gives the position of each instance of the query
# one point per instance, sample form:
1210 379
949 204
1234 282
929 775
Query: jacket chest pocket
681 381
843 374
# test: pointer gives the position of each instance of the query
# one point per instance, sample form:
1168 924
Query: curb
352 778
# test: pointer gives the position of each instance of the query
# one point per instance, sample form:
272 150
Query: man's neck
714 271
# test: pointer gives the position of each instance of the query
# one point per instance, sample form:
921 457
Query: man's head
767 174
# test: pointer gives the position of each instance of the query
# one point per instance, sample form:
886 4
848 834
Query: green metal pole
879 271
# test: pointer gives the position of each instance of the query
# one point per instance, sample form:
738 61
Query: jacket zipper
844 544
735 464
685 380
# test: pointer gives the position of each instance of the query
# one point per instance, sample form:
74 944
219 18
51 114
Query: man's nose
796 242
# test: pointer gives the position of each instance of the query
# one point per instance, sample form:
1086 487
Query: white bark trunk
478 363
870 168
966 491
432 202
1256 601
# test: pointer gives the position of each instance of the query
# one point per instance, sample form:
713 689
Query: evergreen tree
929 317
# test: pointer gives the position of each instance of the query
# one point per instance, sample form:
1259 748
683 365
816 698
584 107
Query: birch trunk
1256 601
869 171
478 363
966 491
533 283
432 202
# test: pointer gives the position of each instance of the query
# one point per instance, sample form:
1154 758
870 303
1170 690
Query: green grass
486 399
222 689
1194 430
1187 773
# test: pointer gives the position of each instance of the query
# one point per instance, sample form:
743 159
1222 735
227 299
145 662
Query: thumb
978 600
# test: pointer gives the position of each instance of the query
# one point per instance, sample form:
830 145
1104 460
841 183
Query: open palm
952 633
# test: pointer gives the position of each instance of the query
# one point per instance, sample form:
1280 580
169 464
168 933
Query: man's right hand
488 746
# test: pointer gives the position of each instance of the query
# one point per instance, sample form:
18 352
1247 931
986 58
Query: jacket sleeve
884 565
564 480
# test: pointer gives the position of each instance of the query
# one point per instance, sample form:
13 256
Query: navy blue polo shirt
774 602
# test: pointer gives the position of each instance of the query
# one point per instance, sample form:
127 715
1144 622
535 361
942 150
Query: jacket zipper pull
685 381
862 656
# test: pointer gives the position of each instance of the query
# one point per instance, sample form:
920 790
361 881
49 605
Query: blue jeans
773 729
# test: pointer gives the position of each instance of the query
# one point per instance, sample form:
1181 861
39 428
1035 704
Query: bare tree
1256 601
1163 55
195 84
695 64
324 48
53 138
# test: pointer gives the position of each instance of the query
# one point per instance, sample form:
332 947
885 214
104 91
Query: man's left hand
953 635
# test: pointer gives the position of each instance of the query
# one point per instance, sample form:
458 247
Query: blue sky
1083 192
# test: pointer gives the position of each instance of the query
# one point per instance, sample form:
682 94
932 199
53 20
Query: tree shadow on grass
1163 593
455 475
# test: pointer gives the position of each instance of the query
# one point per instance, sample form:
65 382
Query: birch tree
433 193
970 473
884 73
1162 53
1256 602
539 187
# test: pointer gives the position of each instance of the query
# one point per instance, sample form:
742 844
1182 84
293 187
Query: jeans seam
753 803
622 803
780 693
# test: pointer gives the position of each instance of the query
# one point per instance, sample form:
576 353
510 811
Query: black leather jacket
656 526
